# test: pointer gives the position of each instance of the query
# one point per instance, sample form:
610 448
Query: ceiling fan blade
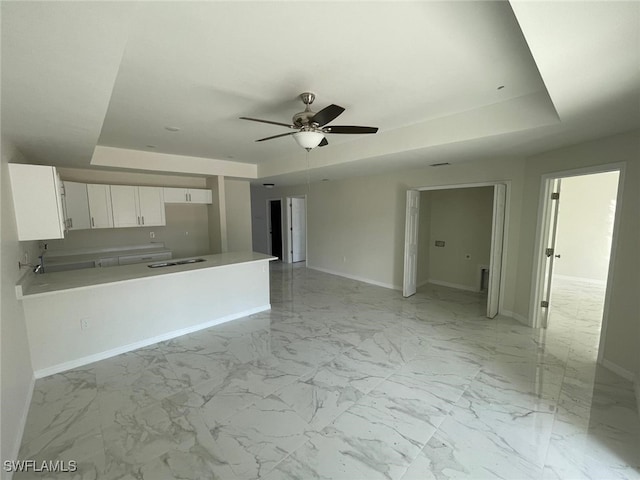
275 136
323 142
268 121
349 129
327 114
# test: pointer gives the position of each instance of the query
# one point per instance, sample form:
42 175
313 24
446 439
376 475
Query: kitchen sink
179 262
191 260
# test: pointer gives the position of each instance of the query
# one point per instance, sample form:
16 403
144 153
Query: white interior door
497 241
552 205
411 243
298 229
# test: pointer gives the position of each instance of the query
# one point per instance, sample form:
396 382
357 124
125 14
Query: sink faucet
40 267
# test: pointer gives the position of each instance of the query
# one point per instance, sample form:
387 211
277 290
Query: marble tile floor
344 380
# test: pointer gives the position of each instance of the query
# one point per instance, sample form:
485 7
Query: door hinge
555 196
544 304
549 251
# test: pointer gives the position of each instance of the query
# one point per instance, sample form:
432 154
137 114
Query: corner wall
16 372
355 226
622 331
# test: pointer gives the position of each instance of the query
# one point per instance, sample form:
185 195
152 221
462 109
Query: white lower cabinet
100 206
137 206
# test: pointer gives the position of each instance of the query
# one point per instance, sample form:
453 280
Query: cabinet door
100 206
199 195
37 202
124 201
151 206
76 203
175 195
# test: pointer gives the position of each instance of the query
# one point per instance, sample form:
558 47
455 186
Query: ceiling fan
311 126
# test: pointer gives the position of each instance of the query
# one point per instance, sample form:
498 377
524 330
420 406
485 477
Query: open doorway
468 258
578 224
274 227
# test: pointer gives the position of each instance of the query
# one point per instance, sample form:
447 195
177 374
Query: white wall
462 218
585 223
238 215
356 227
16 372
186 233
622 327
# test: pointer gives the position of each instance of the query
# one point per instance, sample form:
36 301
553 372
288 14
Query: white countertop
33 284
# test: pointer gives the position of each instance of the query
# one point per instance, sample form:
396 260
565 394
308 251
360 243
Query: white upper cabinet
37 201
100 206
199 195
137 206
187 195
76 203
125 211
151 206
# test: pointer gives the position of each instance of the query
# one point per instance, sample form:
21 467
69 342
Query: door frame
287 225
538 270
269 236
505 232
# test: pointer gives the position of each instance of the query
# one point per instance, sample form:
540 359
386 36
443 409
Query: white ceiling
80 74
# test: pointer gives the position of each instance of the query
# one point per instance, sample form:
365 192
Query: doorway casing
542 239
499 232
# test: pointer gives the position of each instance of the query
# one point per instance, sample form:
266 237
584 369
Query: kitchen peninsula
77 317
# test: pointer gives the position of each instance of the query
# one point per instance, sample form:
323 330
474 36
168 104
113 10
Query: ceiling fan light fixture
308 139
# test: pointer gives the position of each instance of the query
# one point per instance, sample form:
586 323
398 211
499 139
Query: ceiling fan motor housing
302 118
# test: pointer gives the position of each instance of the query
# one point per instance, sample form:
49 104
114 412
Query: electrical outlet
84 323
152 234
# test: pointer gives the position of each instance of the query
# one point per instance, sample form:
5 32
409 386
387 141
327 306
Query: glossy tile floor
343 380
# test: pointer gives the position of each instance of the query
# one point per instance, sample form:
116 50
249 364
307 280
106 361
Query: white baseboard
623 372
516 316
22 425
454 285
62 367
355 277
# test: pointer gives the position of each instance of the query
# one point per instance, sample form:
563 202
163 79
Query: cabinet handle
189 197
143 219
186 197
138 220
93 224
71 223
